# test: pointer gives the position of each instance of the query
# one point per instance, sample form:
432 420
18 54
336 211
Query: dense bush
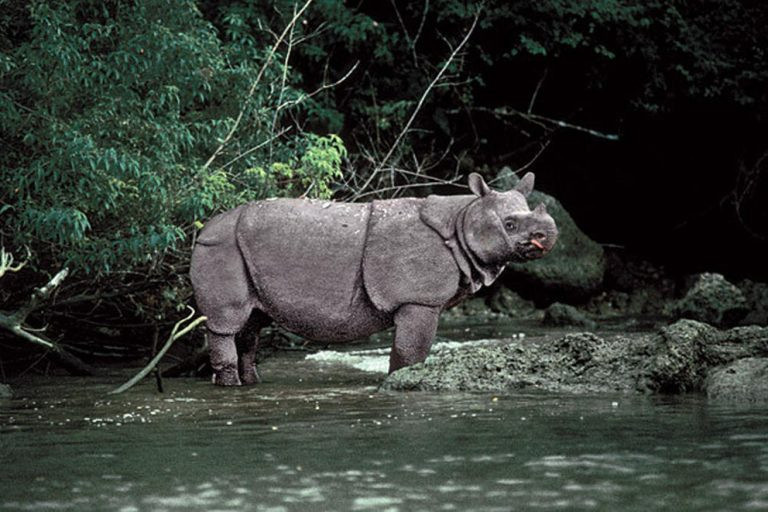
110 112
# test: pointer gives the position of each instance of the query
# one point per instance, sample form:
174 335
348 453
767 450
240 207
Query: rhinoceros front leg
415 327
223 359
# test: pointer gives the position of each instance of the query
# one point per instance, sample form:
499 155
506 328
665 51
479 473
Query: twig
255 84
409 185
416 110
543 120
421 27
527 164
6 262
175 334
323 87
536 90
258 146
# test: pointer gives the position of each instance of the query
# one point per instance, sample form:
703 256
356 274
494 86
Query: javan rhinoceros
331 271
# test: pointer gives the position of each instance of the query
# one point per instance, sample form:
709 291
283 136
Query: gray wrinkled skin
336 272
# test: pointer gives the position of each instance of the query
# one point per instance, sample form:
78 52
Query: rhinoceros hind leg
223 354
248 344
415 327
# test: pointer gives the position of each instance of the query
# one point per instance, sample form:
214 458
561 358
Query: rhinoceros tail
220 229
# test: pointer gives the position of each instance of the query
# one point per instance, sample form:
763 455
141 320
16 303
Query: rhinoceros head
499 227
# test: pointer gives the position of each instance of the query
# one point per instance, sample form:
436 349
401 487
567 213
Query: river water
316 435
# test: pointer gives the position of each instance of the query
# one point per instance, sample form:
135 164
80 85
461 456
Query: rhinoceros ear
541 209
478 186
525 185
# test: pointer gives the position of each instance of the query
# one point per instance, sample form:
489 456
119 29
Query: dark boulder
572 271
744 380
565 315
756 295
711 299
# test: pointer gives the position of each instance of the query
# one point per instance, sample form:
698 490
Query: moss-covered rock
712 299
676 365
575 267
742 380
507 302
687 356
756 295
575 363
565 315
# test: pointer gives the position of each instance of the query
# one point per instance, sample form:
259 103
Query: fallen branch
175 334
14 323
6 262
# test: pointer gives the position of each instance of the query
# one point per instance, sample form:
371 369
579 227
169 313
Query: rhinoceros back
304 257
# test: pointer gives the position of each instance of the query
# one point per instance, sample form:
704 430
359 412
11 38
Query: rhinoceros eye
510 225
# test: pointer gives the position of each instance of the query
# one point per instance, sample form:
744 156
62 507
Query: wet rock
643 302
575 267
713 300
575 363
5 391
676 366
687 356
474 308
742 380
685 352
507 302
756 295
560 315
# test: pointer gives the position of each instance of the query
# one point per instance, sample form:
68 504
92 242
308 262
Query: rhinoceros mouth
530 250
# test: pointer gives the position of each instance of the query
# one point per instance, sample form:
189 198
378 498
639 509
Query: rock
756 295
575 363
575 267
675 366
687 356
507 302
474 308
559 314
713 300
685 352
742 380
5 391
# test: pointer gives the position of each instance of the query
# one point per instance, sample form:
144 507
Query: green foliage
109 111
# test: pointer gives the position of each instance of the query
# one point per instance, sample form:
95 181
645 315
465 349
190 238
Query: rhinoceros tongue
537 243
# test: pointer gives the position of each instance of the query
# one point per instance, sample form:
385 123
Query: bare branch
416 110
6 262
323 87
255 84
556 122
258 146
175 334
536 90
14 323
452 181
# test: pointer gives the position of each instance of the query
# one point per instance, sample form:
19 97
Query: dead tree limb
14 323
175 334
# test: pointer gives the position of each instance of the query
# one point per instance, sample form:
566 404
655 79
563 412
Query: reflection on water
319 437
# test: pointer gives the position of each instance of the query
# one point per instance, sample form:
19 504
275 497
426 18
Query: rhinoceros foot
227 377
249 375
